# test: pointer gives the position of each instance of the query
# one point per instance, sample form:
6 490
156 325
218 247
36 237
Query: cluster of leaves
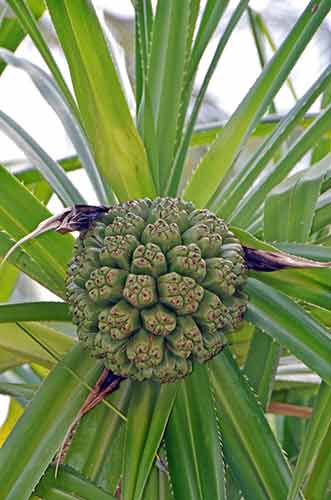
210 429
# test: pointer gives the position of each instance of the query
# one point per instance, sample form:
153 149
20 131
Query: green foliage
211 434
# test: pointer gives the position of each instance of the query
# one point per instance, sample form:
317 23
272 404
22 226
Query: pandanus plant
189 291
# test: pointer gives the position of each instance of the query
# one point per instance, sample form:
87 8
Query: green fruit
154 285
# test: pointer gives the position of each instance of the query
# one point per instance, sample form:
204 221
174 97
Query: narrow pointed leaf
224 151
20 213
16 341
235 185
50 170
277 315
256 196
193 442
95 450
261 365
166 76
264 29
306 250
11 32
318 483
53 96
310 285
210 18
29 174
178 165
240 413
27 18
259 43
71 484
143 33
148 414
296 197
207 133
322 215
318 428
23 262
43 426
118 150
34 311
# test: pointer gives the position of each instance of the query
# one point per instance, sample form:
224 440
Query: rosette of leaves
207 435
154 285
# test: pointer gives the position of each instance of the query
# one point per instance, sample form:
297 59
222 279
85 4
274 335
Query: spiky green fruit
154 285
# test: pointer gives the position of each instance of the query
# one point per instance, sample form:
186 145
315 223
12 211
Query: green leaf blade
149 410
103 108
275 314
193 442
249 432
224 151
43 426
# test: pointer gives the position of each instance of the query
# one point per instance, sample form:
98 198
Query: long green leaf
8 278
11 33
262 359
152 486
233 188
264 29
296 198
322 215
193 442
318 483
16 341
205 134
323 147
246 431
246 209
277 315
195 47
23 262
308 251
317 430
210 18
310 285
26 391
20 213
43 426
118 150
224 151
166 76
28 21
93 451
28 174
49 169
261 365
71 484
9 360
53 96
34 311
178 165
148 413
259 43
143 34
